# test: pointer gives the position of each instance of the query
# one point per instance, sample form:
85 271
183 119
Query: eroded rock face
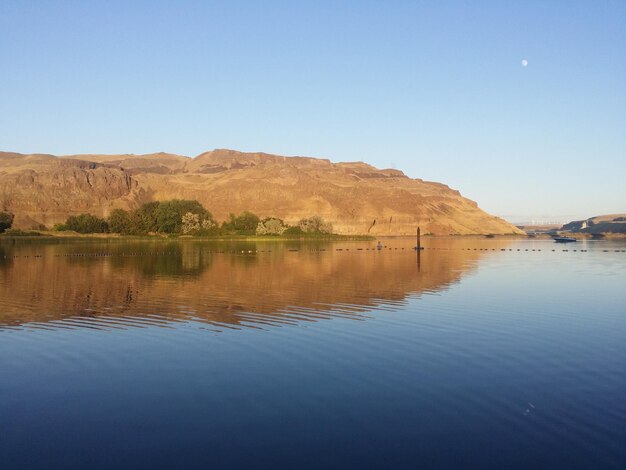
356 197
48 190
610 223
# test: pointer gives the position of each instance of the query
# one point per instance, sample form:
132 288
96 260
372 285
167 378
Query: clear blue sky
436 89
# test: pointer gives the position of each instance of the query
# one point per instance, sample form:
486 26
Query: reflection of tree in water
244 259
150 259
170 259
6 259
219 285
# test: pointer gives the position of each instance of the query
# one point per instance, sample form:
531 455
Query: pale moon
524 63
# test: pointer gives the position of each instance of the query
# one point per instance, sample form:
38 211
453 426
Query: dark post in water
419 244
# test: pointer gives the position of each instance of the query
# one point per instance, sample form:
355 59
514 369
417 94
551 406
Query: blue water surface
482 353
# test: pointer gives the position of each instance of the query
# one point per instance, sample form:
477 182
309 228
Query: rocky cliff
612 223
356 197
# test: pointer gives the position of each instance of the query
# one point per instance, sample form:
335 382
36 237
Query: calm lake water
484 353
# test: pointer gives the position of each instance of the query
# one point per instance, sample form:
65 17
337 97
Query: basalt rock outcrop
601 224
356 197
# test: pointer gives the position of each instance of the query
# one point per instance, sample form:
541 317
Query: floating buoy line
384 248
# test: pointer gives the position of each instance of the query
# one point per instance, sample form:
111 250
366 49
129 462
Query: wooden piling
418 246
419 261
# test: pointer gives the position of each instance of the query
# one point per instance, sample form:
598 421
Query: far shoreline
69 235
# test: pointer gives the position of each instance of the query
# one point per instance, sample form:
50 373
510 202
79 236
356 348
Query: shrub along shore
179 217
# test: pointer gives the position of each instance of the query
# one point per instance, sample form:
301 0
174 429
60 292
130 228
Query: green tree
169 214
293 230
86 223
143 219
243 224
6 221
163 217
119 221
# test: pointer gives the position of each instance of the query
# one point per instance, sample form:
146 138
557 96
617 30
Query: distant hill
542 228
356 197
612 223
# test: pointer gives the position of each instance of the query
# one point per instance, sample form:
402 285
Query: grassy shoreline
67 235
53 235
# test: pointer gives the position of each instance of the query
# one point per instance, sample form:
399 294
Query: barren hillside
356 197
610 223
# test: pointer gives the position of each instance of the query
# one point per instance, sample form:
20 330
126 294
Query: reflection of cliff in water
135 284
